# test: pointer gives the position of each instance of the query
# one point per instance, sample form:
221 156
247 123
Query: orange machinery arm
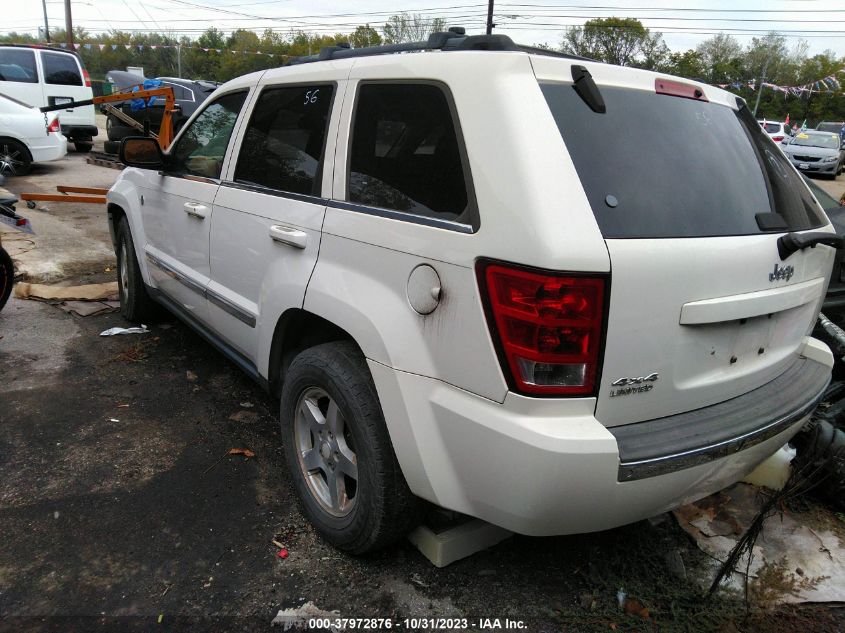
165 133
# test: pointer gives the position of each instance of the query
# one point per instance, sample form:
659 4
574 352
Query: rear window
827 126
659 166
18 65
61 69
771 128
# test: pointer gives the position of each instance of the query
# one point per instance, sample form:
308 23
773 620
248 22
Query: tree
622 41
364 36
687 64
411 27
722 56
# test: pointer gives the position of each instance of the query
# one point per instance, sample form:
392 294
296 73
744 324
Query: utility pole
760 87
179 60
68 25
46 24
490 24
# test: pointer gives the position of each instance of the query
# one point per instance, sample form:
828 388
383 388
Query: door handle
290 236
196 209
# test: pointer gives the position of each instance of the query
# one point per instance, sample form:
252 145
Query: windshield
828 141
655 165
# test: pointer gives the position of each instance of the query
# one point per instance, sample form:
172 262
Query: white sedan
27 136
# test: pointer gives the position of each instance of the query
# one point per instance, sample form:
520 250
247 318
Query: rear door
19 76
265 235
65 81
691 197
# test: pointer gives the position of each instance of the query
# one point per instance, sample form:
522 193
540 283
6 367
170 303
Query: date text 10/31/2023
415 624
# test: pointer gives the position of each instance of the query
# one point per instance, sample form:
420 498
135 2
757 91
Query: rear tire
111 147
136 305
15 159
339 453
7 277
83 147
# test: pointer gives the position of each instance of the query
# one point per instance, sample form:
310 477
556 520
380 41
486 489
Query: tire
332 382
111 147
7 277
83 147
15 159
136 305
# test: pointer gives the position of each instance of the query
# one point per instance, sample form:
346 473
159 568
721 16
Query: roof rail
455 39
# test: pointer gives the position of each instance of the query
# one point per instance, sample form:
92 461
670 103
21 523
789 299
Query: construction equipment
165 136
166 130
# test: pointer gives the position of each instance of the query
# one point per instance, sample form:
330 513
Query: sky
684 24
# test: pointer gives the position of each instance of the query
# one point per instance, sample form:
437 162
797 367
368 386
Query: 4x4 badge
621 382
627 386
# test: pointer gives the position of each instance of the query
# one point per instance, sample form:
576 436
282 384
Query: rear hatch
702 308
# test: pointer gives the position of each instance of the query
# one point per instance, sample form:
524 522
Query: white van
41 76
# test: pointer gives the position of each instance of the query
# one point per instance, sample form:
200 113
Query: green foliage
622 41
411 27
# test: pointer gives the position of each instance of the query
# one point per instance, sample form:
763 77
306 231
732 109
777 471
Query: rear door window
656 165
61 69
18 65
405 152
284 142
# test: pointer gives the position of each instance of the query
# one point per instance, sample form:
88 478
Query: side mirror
141 151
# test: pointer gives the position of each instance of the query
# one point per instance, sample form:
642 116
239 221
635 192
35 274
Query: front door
178 203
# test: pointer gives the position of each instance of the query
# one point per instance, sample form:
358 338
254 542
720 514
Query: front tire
135 303
7 277
339 453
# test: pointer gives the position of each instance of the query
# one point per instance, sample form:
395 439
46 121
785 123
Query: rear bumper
79 131
543 467
56 149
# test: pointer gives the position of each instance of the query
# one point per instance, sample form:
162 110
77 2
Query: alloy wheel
325 452
11 159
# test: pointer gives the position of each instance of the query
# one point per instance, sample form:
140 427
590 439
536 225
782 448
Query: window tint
18 65
202 146
405 154
283 145
688 168
62 70
772 128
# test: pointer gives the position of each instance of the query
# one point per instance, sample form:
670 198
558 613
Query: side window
61 70
405 154
18 65
283 145
202 146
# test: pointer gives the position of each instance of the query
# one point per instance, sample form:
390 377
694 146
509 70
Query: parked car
816 152
834 300
189 95
27 136
776 130
40 76
467 283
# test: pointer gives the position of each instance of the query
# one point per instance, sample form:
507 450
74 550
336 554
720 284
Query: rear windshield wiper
793 242
587 89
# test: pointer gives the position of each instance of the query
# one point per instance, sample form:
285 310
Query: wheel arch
297 330
114 213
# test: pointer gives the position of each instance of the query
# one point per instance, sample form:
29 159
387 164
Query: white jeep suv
471 281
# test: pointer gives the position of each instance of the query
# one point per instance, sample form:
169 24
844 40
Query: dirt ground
120 508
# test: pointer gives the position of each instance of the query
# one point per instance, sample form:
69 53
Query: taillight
54 126
87 78
549 327
777 139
